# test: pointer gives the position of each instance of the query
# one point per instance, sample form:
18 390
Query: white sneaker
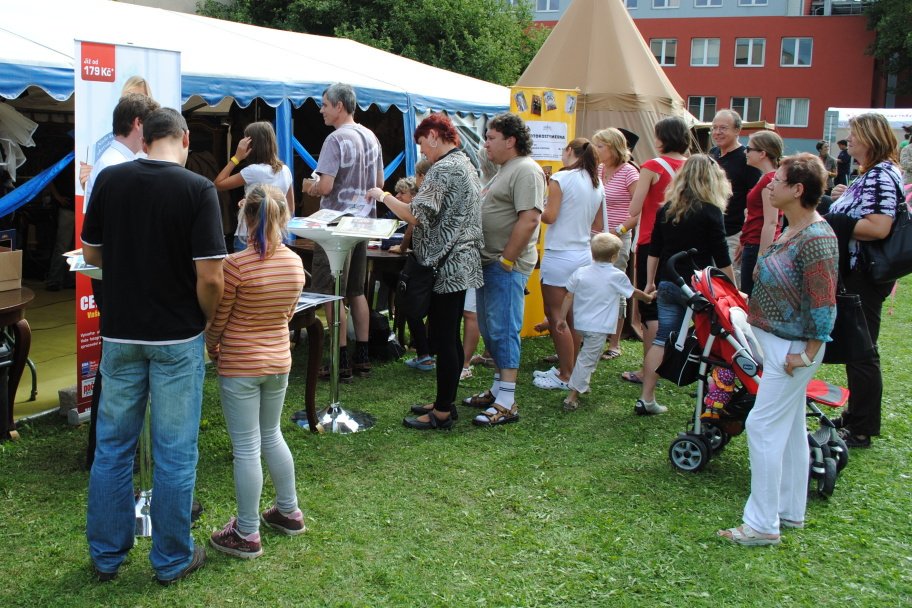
550 382
551 372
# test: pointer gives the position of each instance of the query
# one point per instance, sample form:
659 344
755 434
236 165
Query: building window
665 3
749 52
704 108
792 112
747 107
547 6
630 4
796 52
752 2
704 52
664 49
707 3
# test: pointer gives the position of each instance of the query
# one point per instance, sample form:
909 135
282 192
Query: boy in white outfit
595 293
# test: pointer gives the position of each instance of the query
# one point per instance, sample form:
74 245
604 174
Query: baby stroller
720 353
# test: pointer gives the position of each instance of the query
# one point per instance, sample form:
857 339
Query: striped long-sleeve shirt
250 329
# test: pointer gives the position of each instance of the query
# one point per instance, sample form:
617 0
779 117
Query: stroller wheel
826 483
715 438
839 451
689 453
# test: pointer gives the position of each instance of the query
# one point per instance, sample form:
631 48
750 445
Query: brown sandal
481 400
501 415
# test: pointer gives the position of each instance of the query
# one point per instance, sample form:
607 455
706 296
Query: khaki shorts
354 273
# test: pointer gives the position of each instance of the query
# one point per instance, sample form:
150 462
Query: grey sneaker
229 540
199 558
273 518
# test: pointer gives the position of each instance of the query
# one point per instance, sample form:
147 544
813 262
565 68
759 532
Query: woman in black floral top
872 199
446 214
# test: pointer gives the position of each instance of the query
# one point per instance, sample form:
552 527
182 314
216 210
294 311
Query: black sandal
427 408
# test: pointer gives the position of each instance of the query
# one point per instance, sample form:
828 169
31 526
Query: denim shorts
500 313
671 312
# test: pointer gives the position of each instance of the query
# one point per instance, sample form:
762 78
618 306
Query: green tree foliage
493 40
892 21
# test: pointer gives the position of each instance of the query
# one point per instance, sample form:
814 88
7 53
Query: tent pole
284 134
409 125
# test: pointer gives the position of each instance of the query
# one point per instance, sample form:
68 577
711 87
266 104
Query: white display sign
548 139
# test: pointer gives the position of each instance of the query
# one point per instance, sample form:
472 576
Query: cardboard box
10 269
10 261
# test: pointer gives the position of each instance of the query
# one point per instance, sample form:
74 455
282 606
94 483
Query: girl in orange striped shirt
248 340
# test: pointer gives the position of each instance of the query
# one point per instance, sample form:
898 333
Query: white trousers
587 360
777 438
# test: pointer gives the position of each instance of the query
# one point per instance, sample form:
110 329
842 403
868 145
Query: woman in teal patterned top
792 311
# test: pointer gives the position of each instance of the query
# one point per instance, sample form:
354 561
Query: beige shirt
518 186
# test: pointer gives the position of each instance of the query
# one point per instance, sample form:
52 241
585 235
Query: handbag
890 258
681 366
415 286
850 338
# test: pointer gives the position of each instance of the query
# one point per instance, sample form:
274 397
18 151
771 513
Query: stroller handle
673 271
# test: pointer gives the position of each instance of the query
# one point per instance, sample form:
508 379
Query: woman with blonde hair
761 222
620 180
691 219
873 200
575 208
259 148
248 341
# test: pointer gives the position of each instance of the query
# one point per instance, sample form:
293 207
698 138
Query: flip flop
632 377
748 537
610 354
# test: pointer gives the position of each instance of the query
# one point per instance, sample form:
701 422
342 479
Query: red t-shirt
655 198
753 221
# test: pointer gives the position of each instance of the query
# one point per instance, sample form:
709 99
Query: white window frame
665 4
753 2
751 43
703 115
635 6
793 109
664 42
707 3
550 3
747 106
705 48
797 45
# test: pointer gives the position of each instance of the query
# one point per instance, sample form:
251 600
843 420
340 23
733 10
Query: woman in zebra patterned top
446 214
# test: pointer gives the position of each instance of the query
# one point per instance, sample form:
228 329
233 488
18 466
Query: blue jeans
253 410
671 312
500 313
173 374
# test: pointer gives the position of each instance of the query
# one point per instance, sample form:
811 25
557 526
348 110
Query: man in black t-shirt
843 163
732 157
155 229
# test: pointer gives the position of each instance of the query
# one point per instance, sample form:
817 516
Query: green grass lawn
578 509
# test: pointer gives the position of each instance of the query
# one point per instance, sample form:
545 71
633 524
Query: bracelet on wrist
621 229
807 360
235 160
506 262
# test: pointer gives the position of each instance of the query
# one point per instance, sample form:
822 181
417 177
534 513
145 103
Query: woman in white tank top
574 210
